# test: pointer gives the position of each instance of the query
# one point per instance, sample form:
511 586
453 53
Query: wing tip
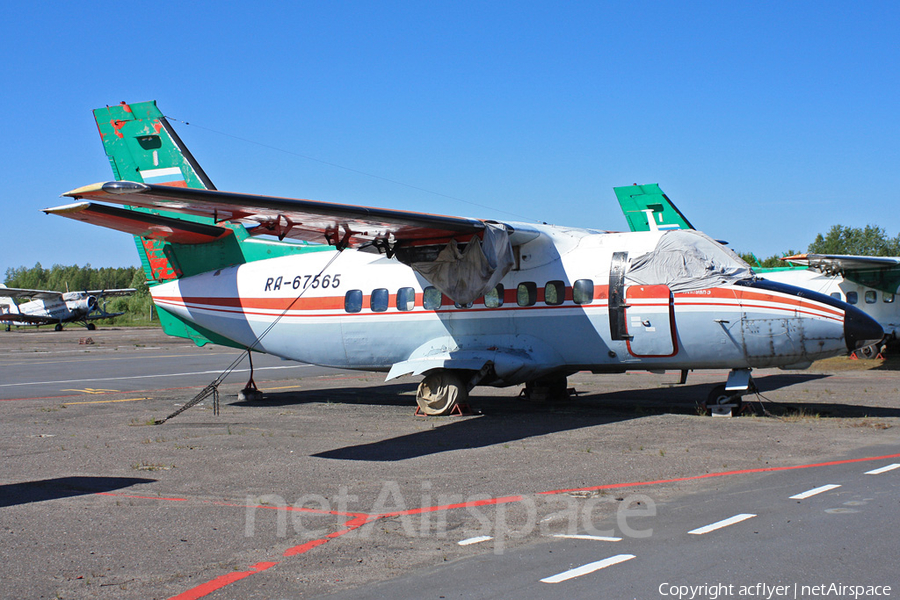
110 187
66 208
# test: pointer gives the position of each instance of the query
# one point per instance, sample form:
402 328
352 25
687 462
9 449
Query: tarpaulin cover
464 276
687 260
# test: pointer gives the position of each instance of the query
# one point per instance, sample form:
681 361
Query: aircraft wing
102 315
112 293
308 220
879 272
843 263
6 292
30 319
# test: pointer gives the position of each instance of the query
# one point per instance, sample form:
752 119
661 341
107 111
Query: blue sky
765 122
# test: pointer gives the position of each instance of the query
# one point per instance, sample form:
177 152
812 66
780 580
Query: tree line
60 278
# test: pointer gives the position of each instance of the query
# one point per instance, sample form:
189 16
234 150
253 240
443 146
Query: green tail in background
142 146
647 208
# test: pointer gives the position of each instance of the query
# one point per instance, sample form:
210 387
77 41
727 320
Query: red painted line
351 525
304 547
721 474
418 511
207 588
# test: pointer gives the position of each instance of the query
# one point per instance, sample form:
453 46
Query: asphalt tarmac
332 486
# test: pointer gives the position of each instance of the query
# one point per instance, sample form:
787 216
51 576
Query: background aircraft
49 307
869 282
460 301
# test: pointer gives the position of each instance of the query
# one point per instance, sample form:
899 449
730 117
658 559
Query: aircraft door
617 268
650 320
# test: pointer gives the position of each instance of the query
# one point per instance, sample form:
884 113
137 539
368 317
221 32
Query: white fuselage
305 308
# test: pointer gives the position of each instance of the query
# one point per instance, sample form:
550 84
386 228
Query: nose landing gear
727 399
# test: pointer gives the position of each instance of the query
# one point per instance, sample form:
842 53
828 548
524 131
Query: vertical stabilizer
647 208
8 306
142 146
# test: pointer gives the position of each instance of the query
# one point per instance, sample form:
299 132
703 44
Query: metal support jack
250 393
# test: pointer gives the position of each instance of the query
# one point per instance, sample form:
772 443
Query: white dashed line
721 524
814 491
475 540
588 568
596 538
883 469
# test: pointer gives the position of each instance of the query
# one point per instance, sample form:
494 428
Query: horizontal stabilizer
141 224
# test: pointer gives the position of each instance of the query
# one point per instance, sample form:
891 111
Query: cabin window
494 298
526 293
887 298
836 295
554 293
871 296
378 301
431 298
583 291
406 298
852 298
353 300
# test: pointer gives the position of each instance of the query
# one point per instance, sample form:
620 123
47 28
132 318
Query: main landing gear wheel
440 391
719 396
58 327
91 327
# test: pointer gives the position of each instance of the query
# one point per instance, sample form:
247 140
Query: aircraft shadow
398 394
506 419
891 362
13 494
500 420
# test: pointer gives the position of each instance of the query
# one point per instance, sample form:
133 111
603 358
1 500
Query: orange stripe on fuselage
712 297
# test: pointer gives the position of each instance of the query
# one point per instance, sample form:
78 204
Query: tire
718 396
440 392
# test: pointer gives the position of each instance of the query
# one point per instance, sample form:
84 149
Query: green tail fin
647 208
142 146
